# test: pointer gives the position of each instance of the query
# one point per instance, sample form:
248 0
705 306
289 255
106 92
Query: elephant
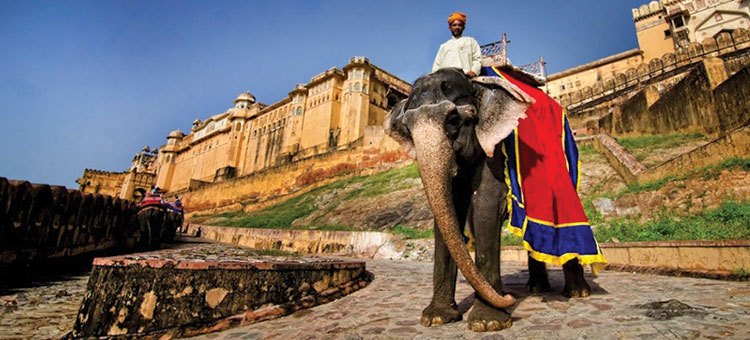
151 222
453 125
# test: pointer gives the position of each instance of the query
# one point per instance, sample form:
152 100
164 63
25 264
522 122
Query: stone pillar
716 72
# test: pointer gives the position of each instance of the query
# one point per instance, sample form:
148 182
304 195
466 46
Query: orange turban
457 16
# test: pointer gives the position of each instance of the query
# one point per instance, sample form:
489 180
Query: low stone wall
734 144
712 259
703 258
250 192
623 162
205 288
370 244
39 222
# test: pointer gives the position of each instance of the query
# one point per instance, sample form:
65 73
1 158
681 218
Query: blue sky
86 84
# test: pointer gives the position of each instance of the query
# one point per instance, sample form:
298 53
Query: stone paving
390 307
622 306
46 310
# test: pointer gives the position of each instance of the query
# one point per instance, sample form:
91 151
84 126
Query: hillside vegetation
707 203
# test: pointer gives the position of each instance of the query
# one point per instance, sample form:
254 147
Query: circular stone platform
205 288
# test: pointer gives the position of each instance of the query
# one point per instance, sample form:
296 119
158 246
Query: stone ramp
204 288
622 306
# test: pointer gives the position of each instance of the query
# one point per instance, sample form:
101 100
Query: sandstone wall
732 100
734 144
372 244
701 102
732 48
623 162
39 222
291 178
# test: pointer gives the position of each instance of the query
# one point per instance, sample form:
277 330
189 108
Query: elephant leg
575 283
443 309
488 212
538 279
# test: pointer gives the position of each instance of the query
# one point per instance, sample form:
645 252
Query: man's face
457 28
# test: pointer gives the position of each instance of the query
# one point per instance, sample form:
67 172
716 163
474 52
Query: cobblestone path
390 307
44 311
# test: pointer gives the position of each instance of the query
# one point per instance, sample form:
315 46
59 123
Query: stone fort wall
706 100
733 48
39 222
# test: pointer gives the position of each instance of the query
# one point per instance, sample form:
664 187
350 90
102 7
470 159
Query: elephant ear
395 126
501 105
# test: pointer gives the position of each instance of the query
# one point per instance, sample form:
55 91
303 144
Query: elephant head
450 119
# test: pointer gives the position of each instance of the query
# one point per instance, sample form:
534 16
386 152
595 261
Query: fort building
129 184
338 109
662 27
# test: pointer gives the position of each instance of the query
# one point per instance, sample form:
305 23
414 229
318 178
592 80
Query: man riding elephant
491 148
459 51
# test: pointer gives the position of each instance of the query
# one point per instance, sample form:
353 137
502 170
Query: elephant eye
445 87
453 124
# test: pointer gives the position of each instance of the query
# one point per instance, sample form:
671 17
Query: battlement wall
39 222
706 100
733 48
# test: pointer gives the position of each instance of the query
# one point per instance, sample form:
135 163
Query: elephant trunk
436 165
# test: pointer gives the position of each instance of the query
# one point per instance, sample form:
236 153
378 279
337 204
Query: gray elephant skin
453 125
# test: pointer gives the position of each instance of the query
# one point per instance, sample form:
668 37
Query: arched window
357 87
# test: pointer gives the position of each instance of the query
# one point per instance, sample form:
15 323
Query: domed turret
176 134
244 100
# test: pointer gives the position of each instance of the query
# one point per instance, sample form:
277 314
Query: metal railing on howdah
495 54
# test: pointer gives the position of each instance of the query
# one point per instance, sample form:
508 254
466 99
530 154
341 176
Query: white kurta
462 52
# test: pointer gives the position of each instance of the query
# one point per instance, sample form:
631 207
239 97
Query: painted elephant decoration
453 126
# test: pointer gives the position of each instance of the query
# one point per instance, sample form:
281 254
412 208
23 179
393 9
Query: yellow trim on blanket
560 260
561 225
515 146
567 161
518 166
509 196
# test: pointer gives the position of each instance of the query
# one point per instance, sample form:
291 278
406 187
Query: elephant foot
538 285
577 290
439 314
575 283
485 318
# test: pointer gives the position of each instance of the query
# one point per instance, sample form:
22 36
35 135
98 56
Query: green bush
585 150
412 233
706 172
657 141
741 273
729 221
511 240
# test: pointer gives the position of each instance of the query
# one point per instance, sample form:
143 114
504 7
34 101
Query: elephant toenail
437 320
493 326
477 327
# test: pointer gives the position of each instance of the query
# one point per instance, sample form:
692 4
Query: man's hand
471 74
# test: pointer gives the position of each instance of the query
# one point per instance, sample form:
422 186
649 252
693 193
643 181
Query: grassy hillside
282 215
341 205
